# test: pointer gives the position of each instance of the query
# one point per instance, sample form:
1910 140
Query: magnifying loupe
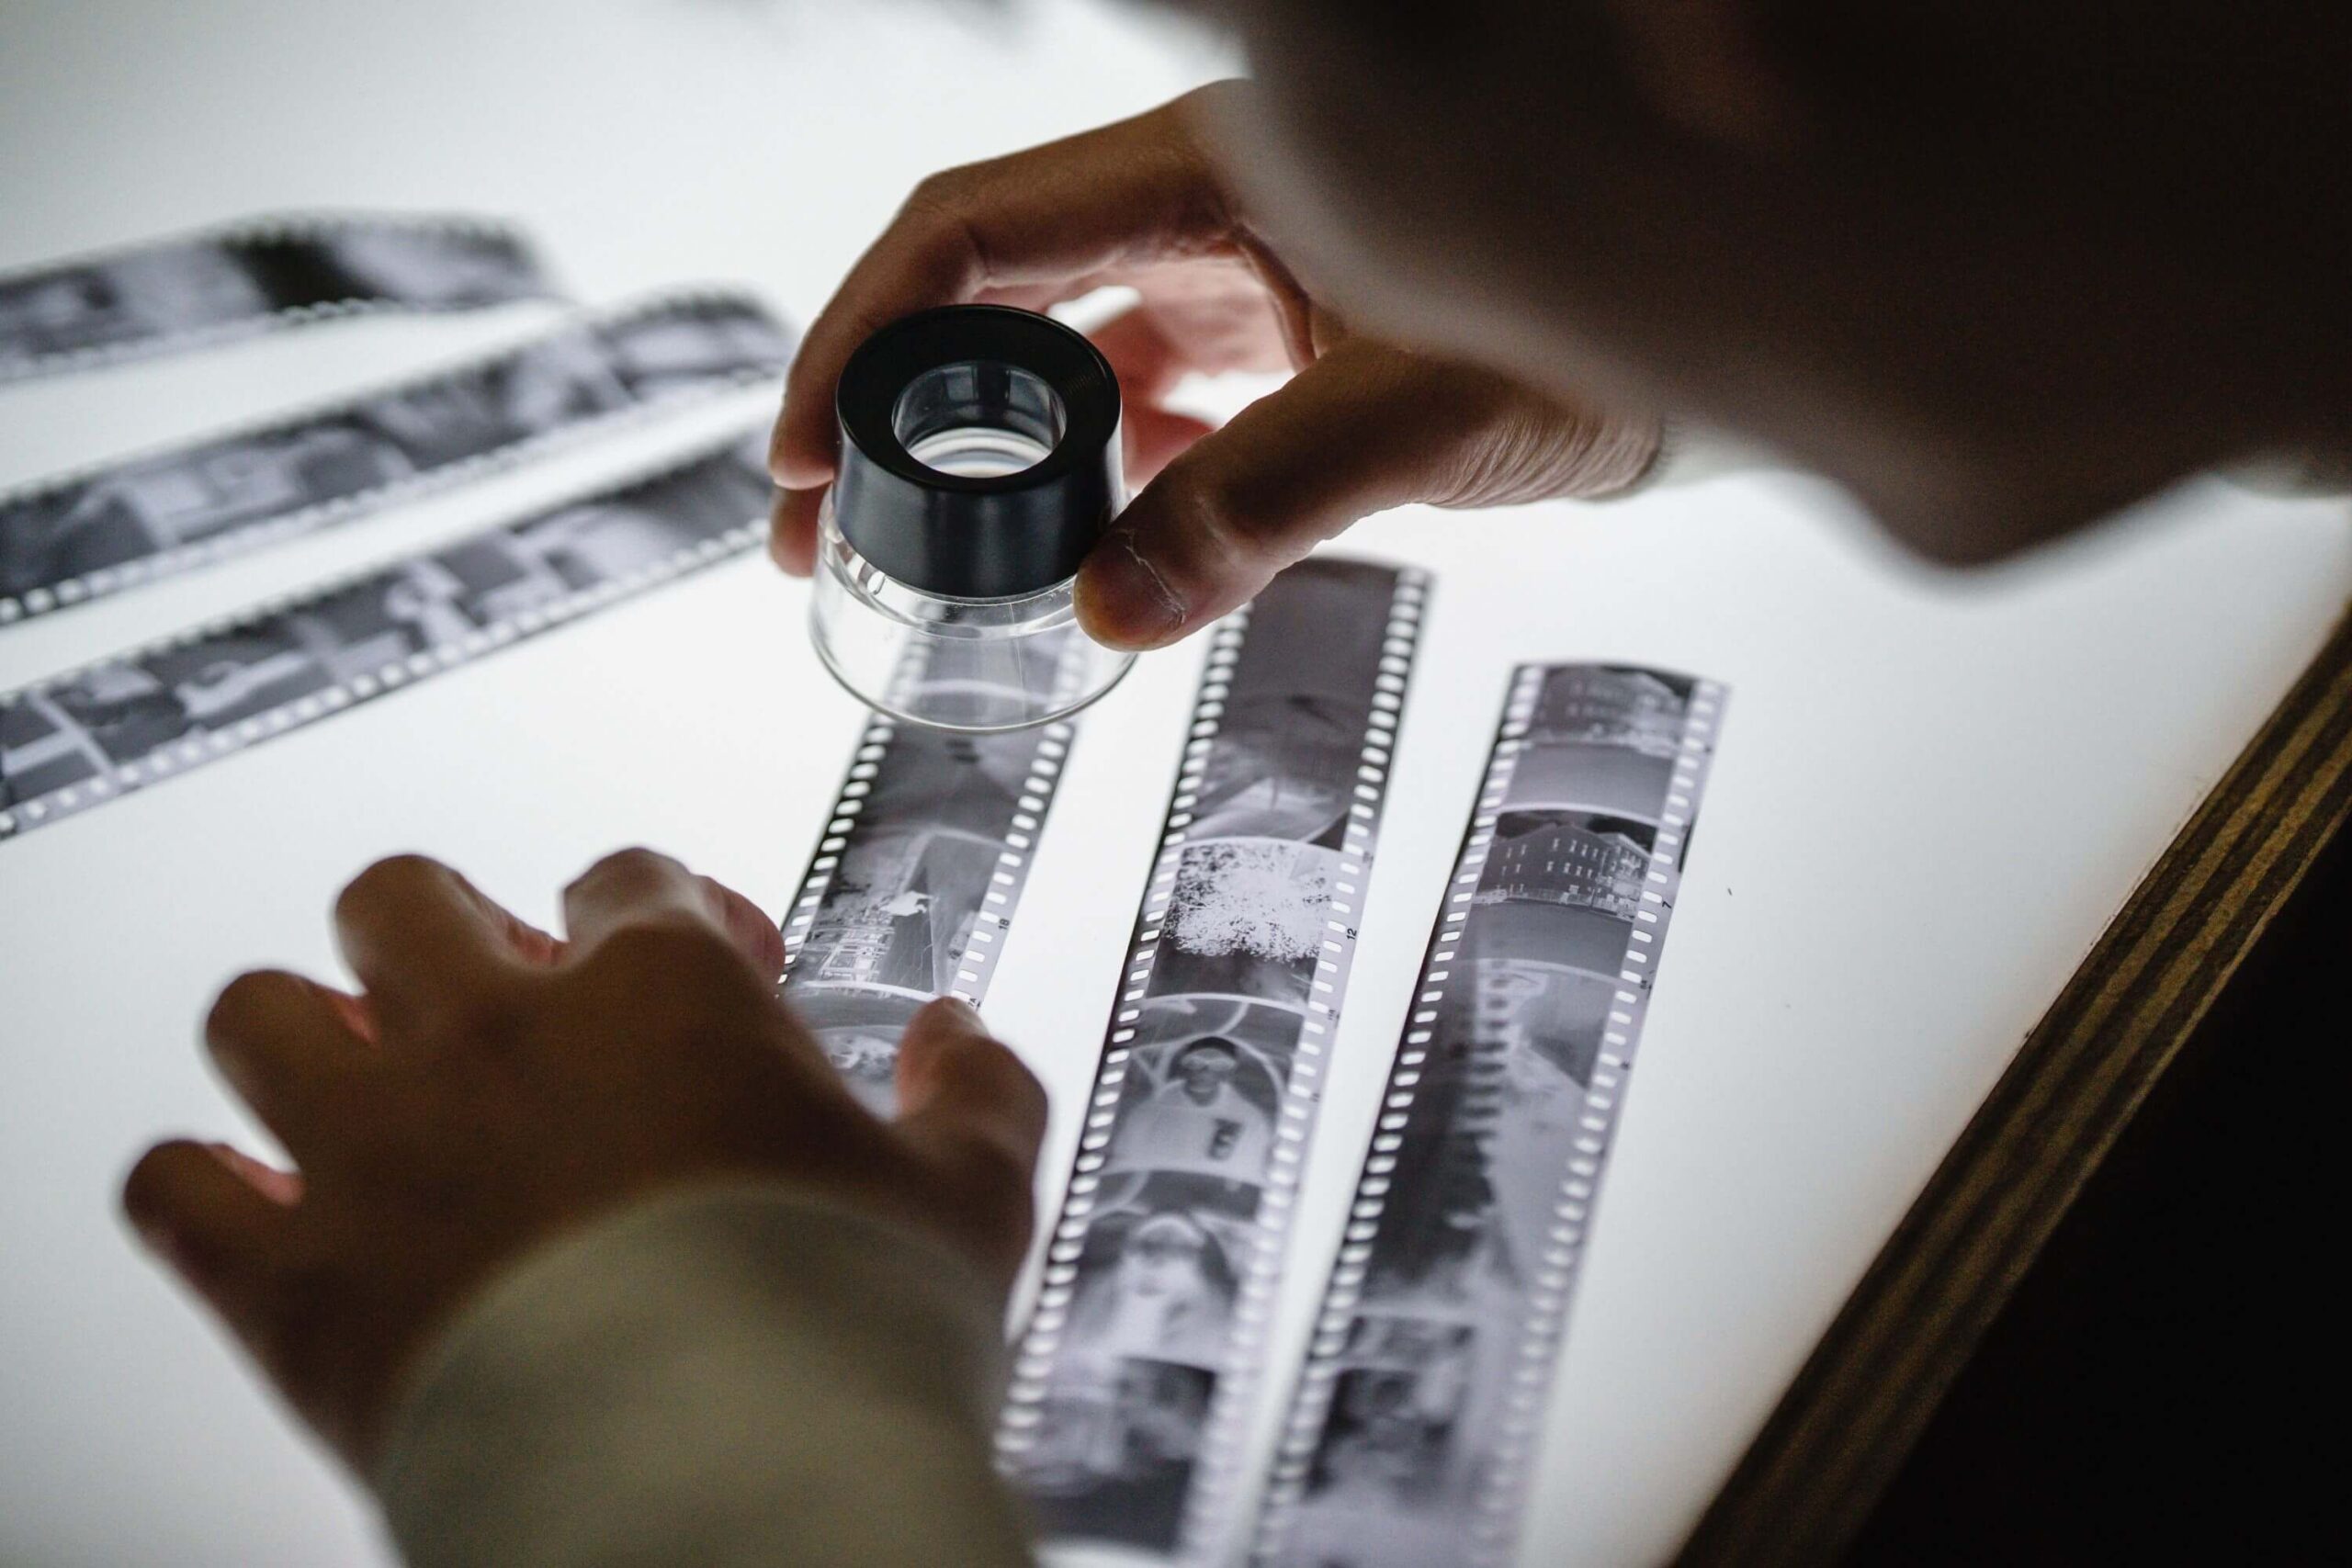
979 463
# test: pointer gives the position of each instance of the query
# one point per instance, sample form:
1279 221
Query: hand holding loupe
979 464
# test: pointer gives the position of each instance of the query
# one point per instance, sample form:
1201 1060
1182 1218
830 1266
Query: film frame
1438 1429
912 891
72 537
1239 961
76 740
149 297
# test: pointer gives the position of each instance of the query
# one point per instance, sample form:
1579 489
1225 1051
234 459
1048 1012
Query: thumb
1365 427
969 1107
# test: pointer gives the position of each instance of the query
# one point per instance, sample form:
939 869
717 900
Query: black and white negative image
127 721
1247 919
1461 1241
1241 965
142 300
1384 1485
1203 1087
94 530
1292 729
926 860
1536 990
1602 739
1145 1338
1560 890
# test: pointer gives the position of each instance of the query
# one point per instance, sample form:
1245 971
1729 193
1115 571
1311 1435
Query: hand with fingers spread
1361 426
491 1088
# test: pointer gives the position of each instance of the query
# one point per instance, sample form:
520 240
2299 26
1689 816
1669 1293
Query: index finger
636 887
421 940
1128 195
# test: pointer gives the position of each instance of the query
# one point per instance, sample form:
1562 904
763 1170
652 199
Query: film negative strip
79 739
1148 1331
912 892
92 532
77 536
250 276
1408 1437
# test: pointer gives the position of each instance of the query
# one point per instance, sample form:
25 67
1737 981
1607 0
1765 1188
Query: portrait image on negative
1203 1087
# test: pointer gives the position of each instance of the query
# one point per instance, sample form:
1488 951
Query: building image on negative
1568 862
1599 705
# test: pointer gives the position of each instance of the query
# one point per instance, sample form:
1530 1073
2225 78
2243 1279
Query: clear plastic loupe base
975 665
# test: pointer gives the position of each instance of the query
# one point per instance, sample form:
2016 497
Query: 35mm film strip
912 892
76 536
1408 1437
80 739
1160 1274
249 276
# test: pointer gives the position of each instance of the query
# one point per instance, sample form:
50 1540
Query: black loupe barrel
980 452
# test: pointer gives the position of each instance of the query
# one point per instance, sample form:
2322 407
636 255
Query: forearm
731 1377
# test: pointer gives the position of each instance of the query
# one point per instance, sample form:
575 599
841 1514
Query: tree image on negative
1255 898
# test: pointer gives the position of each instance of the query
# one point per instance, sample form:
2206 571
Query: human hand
490 1085
1363 426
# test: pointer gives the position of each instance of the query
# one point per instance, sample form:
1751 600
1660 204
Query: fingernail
1123 601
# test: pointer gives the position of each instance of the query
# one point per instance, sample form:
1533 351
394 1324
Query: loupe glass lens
978 420
978 486
969 664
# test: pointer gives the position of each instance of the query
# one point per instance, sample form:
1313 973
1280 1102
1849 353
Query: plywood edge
1841 1432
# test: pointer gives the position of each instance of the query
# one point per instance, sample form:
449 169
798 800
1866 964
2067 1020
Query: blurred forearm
732 1377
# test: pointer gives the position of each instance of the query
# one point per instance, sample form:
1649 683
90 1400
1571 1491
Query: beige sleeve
724 1378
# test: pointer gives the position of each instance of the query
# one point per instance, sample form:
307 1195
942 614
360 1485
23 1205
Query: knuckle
930 192
390 880
148 1186
634 867
1497 443
240 1002
673 959
1523 446
1626 451
941 194
936 222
